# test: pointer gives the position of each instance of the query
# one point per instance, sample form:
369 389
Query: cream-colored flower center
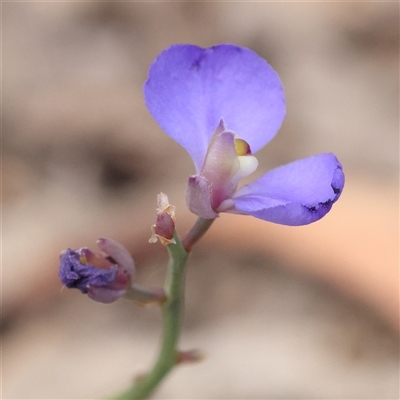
247 162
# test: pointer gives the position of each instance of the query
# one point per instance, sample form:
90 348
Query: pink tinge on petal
198 197
220 165
123 280
118 253
220 174
105 295
97 260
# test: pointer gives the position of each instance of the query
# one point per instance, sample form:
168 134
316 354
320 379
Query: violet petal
74 274
295 194
190 89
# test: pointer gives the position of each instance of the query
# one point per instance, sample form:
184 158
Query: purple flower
103 278
222 104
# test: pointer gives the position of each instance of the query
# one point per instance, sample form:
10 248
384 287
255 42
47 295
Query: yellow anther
83 259
242 147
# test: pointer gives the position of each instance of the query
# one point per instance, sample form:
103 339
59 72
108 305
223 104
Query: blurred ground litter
281 312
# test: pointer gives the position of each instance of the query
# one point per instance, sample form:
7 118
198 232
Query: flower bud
164 227
103 278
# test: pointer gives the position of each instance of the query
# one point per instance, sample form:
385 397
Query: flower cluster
222 104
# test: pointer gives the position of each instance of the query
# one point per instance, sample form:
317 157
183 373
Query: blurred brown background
281 312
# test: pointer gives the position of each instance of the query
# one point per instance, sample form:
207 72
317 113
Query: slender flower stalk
143 296
198 230
172 311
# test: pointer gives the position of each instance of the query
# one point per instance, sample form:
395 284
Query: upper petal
295 194
190 89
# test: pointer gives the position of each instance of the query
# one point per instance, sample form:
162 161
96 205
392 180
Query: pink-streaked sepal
198 198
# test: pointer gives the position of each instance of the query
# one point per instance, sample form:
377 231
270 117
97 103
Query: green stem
172 315
172 311
144 296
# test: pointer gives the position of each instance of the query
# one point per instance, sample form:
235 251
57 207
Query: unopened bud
164 227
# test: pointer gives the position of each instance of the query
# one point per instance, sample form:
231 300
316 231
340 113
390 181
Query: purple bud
104 278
